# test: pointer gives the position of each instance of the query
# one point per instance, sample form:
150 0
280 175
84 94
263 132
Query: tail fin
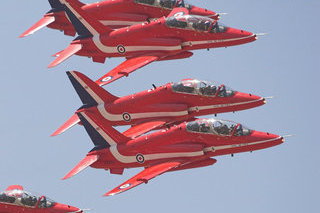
85 25
102 136
89 92
57 6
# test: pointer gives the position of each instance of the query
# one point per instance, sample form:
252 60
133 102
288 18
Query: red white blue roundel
106 79
124 186
126 116
121 49
179 14
140 158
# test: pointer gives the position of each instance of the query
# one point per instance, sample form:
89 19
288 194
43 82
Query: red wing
179 11
45 21
143 128
14 187
144 177
126 68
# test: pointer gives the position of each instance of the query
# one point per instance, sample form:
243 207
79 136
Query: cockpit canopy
168 4
195 23
204 88
218 127
24 198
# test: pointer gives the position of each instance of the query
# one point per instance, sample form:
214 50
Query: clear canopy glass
24 198
169 4
191 22
218 127
196 23
204 88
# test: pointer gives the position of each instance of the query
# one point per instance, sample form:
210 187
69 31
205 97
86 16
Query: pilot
29 200
167 3
43 203
193 126
204 127
209 90
7 199
182 88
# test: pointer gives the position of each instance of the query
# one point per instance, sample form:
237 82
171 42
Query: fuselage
121 13
190 142
175 102
167 36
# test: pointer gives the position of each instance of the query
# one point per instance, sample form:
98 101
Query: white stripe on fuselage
119 23
118 117
132 159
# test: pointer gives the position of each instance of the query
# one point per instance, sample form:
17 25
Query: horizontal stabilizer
65 54
87 161
45 21
67 125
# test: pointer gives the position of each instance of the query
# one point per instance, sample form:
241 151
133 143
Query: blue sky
285 64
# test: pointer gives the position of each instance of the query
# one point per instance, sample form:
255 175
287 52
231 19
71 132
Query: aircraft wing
144 176
143 128
126 68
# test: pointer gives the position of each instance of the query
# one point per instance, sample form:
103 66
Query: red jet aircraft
158 107
16 200
114 14
185 146
162 39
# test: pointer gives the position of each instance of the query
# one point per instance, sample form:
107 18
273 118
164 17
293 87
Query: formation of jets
165 132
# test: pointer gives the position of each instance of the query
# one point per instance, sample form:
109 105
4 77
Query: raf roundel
121 49
178 14
106 79
126 117
140 158
124 186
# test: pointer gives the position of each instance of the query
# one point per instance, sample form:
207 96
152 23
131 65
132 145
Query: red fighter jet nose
248 99
266 139
61 208
239 33
204 12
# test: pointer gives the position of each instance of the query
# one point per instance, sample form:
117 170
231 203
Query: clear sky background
34 101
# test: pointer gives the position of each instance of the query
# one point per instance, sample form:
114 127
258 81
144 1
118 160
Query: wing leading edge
125 68
144 176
